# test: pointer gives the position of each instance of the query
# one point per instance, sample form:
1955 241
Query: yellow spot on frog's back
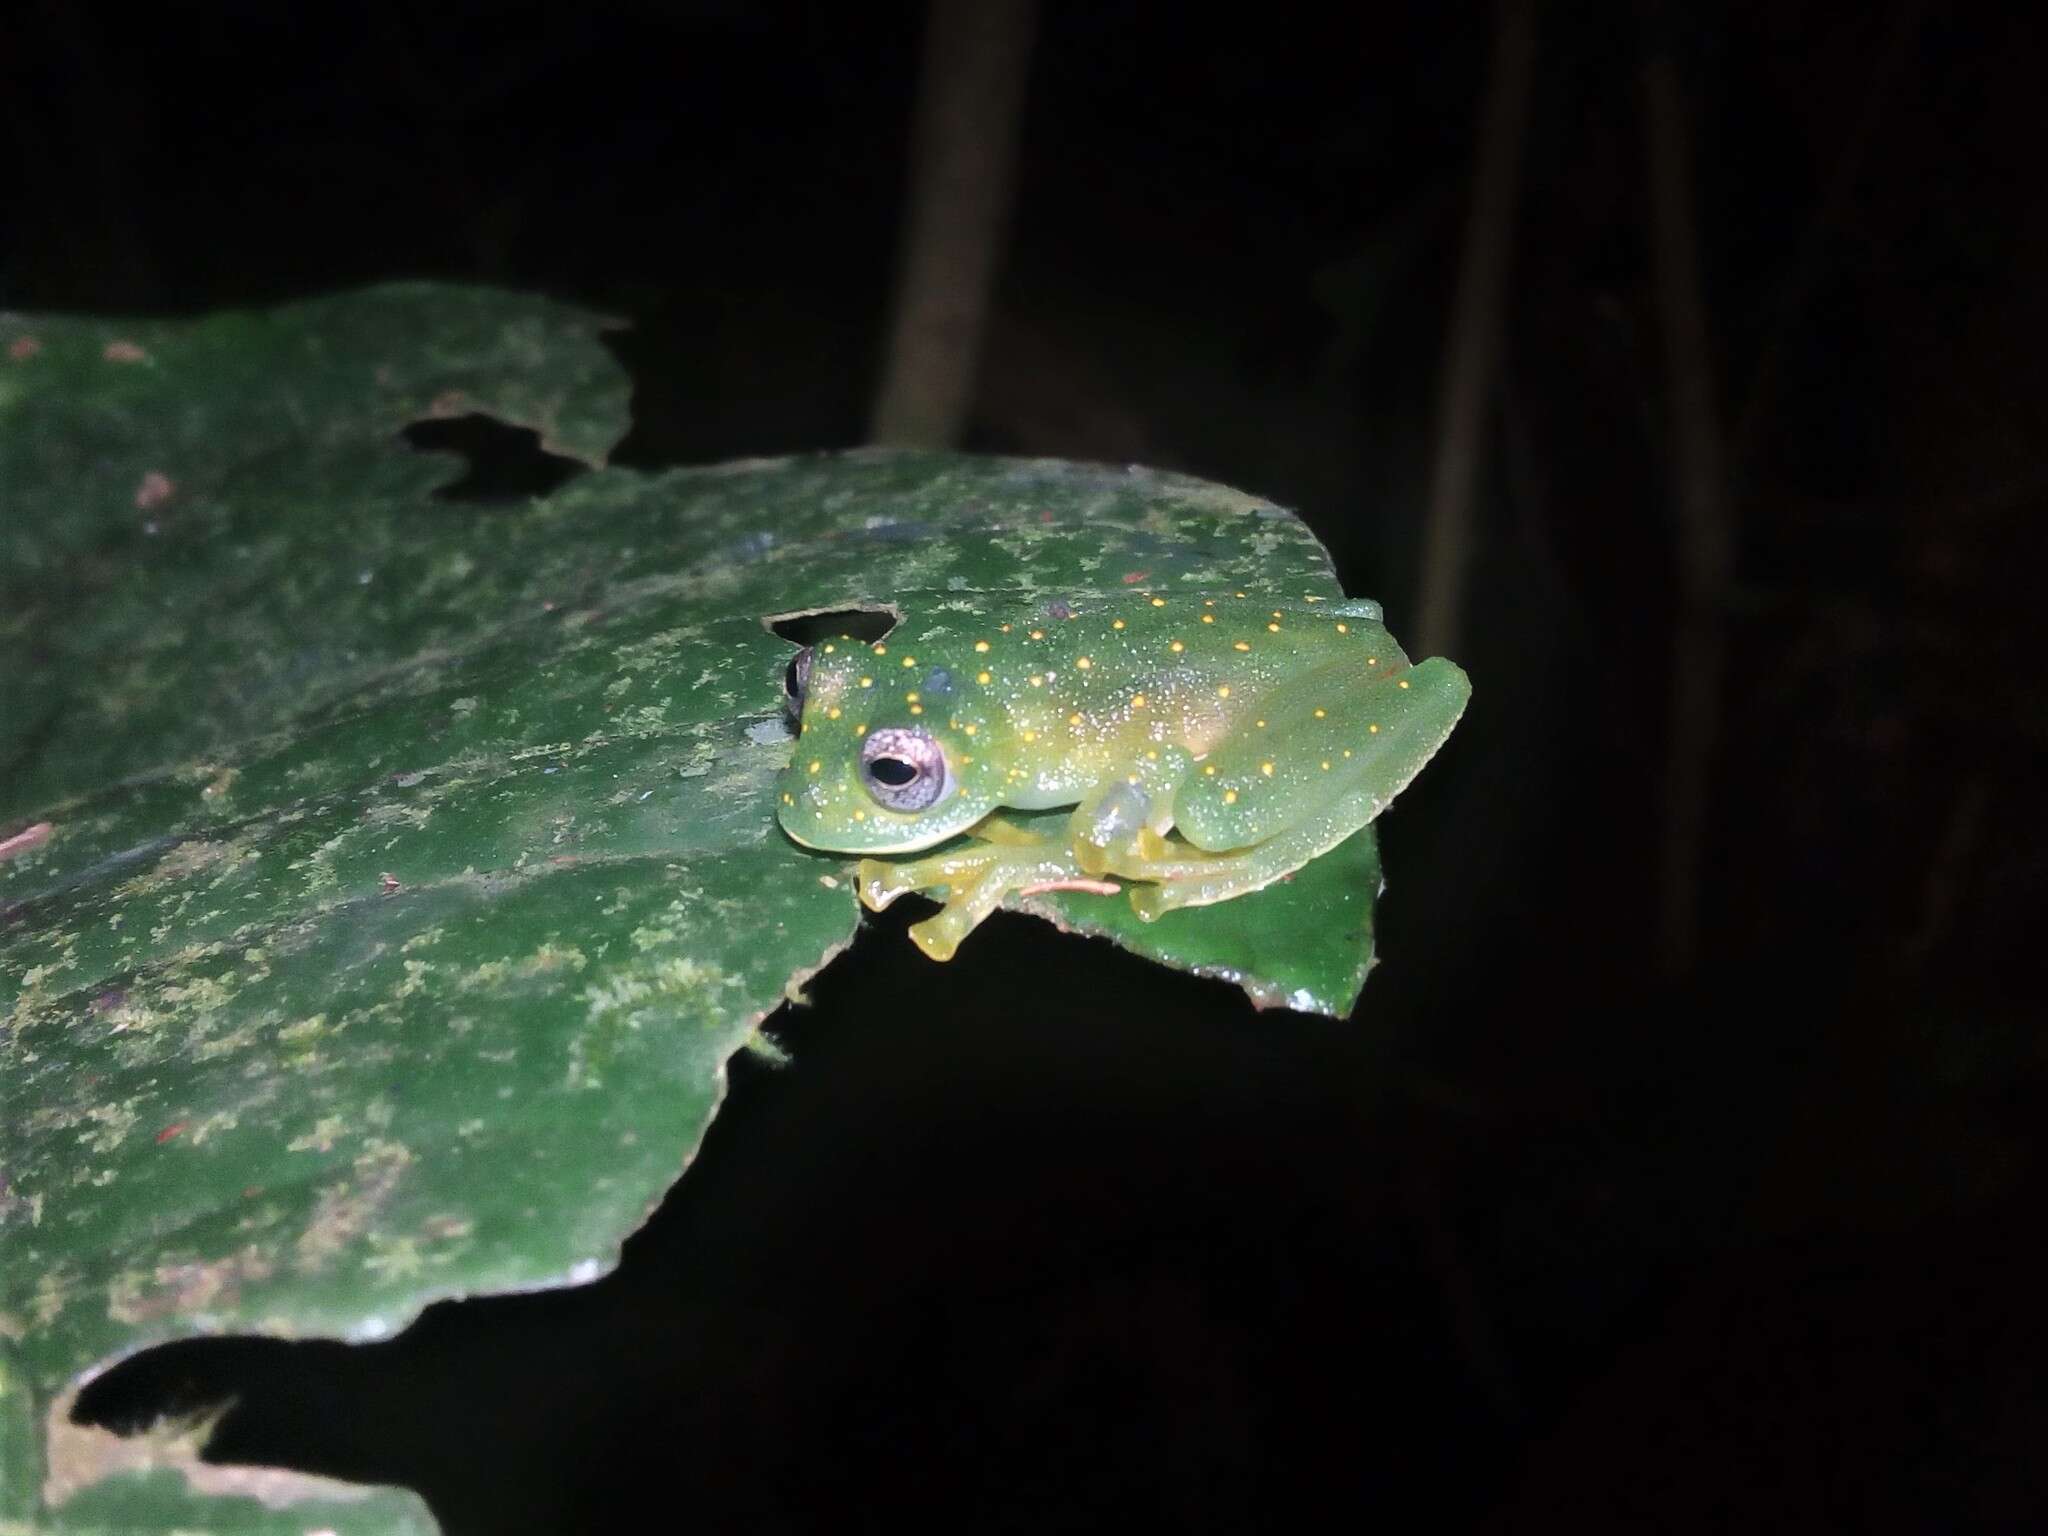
1343 629
1372 661
832 713
830 648
1209 768
816 765
860 730
1004 628
1038 634
1260 724
1275 628
1176 647
1320 714
969 730
917 709
1208 618
1116 623
983 678
789 799
1152 754
1130 778
1158 602
1223 691
910 698
1237 594
1266 769
1240 645
1074 718
867 682
1030 735
1278 614
1403 683
860 815
1036 679
880 649
910 661
1374 729
1230 797
981 645
1137 701
1083 663
1326 765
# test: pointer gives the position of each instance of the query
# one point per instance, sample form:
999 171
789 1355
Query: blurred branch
1473 348
1941 889
963 165
1706 523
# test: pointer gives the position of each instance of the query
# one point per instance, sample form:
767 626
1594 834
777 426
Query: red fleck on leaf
156 489
123 352
26 840
22 348
169 1131
1132 578
388 883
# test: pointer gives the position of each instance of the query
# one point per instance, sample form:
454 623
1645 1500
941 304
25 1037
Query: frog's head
882 764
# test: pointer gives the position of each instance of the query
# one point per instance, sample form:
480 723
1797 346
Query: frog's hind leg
1194 877
1340 749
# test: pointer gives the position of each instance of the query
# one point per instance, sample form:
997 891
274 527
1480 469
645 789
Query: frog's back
1067 690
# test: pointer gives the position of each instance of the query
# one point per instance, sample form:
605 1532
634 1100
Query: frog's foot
971 881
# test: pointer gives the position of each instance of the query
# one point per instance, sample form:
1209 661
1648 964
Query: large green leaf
390 878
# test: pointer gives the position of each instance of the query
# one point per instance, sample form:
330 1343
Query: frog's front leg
1002 857
1122 822
1126 820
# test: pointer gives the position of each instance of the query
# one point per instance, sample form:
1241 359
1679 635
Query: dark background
1052 1239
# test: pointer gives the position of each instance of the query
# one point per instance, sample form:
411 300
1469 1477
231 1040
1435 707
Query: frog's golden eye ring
904 769
796 680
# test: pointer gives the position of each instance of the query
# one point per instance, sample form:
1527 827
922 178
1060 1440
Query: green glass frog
1210 743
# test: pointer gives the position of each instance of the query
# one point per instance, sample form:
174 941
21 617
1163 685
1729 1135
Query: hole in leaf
810 625
506 463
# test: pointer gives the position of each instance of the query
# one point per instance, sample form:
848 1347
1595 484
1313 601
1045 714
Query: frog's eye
904 770
796 679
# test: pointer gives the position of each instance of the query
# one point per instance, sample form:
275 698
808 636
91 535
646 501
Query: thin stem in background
963 170
1473 349
1705 520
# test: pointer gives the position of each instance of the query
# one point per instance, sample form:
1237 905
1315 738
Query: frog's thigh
1319 738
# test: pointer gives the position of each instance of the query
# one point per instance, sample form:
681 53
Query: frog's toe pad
938 938
879 883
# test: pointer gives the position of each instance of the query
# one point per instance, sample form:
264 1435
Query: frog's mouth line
916 845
